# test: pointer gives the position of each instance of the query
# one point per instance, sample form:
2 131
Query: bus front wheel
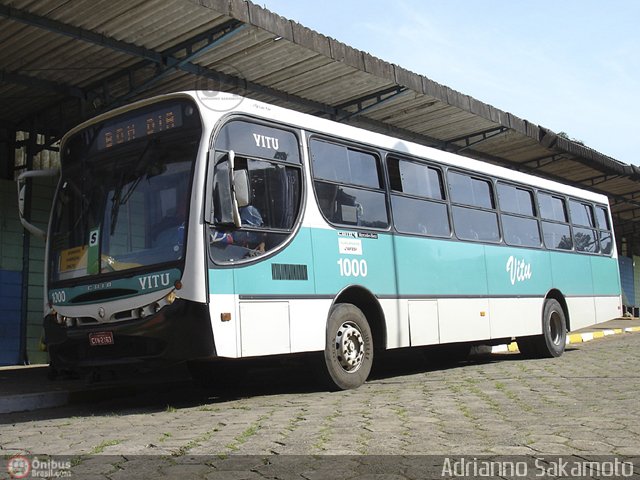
348 354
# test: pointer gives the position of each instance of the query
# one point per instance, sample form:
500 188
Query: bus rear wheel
348 354
554 333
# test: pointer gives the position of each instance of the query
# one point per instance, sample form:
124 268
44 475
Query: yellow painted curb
574 338
571 338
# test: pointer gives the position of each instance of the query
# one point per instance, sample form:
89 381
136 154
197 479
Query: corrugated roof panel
279 68
302 63
245 45
350 84
514 147
567 168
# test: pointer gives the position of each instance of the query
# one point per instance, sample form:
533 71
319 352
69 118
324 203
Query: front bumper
177 332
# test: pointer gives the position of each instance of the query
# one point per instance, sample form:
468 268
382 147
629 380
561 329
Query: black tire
554 333
348 353
554 329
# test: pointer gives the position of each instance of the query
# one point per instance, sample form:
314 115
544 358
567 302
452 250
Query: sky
571 66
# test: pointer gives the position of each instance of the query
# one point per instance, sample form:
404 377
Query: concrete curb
33 401
36 401
60 398
572 338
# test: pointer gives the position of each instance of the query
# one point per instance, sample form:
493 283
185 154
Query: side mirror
22 193
234 197
225 204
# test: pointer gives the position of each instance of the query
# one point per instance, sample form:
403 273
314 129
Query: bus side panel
608 308
573 276
308 324
436 268
581 312
267 290
463 320
264 328
515 317
423 321
344 258
606 276
223 305
428 268
261 298
606 284
518 280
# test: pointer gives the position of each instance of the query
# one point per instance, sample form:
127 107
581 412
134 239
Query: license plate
98 339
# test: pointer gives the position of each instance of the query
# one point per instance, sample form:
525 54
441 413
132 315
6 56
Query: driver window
267 193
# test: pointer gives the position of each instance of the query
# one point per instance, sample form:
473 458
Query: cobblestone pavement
584 403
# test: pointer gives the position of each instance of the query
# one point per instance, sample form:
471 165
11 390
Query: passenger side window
348 185
471 191
552 208
606 240
519 225
583 221
417 179
417 198
336 163
515 200
473 208
603 218
555 225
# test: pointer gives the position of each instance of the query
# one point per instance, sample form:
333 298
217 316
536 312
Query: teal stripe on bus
606 277
425 267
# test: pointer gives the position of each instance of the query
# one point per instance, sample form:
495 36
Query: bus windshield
122 201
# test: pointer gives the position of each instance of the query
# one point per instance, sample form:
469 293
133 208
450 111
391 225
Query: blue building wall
14 280
626 279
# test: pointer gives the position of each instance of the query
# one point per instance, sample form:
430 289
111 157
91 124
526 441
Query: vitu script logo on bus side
519 270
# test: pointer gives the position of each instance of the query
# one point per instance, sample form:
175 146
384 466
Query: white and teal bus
201 226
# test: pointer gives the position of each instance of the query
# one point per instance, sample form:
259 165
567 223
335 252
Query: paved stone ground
585 403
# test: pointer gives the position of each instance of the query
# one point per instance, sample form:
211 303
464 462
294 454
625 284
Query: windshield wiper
119 199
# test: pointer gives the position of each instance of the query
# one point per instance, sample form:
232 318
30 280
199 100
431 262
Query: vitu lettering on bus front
154 281
519 270
263 141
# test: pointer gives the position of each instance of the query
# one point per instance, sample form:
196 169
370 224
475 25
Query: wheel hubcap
555 327
349 346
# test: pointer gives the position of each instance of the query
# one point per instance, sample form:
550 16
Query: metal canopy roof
63 61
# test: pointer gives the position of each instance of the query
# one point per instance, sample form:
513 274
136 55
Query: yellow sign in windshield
73 259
